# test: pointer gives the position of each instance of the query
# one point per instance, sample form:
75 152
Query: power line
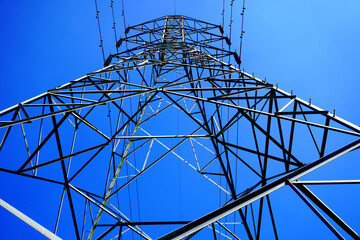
101 45
231 17
123 13
124 20
223 14
242 30
236 160
114 22
230 23
136 180
222 23
222 47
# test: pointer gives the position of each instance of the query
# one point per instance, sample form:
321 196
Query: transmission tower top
176 31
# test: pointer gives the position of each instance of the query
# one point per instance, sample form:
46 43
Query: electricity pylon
169 141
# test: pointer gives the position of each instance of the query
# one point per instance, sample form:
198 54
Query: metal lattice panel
170 108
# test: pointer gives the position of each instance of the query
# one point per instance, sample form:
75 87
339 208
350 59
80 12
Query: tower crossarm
177 30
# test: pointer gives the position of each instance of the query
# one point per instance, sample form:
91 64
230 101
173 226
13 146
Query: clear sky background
310 47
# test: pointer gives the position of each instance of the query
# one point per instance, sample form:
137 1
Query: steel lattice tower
169 108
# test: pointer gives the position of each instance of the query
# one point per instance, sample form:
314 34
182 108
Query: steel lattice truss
170 101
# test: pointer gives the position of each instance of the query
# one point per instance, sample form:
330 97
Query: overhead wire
230 23
242 30
101 45
131 111
124 21
127 171
113 17
135 164
237 124
230 36
123 13
228 113
136 180
179 165
223 22
223 15
236 160
109 109
128 187
221 112
231 18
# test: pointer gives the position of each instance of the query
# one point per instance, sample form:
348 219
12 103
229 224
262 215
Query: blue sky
305 46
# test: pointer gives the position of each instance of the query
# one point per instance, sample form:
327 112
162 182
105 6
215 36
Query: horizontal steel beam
326 182
29 221
161 136
145 223
356 133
